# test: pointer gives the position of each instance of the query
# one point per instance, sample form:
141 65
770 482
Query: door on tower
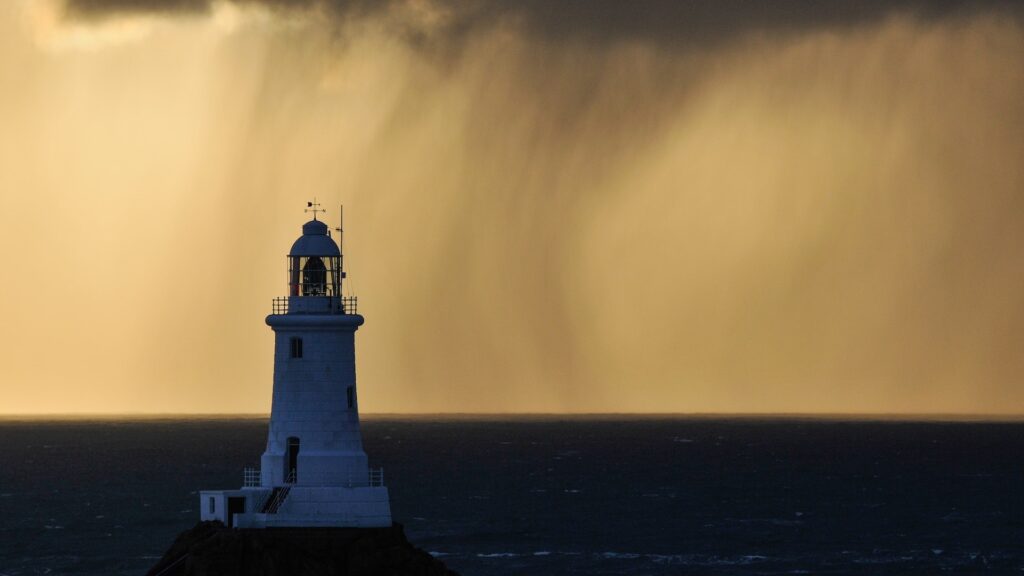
292 469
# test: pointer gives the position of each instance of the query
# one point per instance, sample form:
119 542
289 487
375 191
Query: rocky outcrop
212 549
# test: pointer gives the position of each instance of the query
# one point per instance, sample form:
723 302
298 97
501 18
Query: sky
550 206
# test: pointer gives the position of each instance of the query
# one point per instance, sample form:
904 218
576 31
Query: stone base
210 548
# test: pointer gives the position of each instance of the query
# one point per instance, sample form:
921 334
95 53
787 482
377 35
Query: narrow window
351 397
296 347
213 505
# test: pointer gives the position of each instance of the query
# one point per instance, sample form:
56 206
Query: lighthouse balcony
251 478
315 305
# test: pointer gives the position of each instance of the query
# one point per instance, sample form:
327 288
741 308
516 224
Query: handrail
251 477
259 502
279 498
280 305
337 305
349 304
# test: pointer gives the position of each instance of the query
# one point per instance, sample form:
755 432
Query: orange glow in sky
823 219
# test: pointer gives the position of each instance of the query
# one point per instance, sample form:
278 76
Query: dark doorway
236 505
292 473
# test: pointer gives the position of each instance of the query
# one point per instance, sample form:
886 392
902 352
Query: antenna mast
341 227
341 238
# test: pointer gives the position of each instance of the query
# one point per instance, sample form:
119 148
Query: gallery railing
343 305
251 479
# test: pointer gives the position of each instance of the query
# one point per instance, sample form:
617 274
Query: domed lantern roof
314 241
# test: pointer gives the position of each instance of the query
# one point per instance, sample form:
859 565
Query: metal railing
250 477
280 305
349 304
374 478
343 305
280 495
256 504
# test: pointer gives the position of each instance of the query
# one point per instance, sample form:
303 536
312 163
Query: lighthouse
314 472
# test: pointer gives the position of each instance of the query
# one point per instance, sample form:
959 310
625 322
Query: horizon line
906 416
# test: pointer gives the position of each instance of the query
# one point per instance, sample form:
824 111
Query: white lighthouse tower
314 471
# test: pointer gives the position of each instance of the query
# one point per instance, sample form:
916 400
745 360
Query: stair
277 497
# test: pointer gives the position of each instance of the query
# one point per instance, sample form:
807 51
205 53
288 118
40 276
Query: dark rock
212 549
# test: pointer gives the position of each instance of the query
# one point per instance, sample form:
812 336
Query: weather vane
314 207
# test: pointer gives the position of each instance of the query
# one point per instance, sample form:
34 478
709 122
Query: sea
538 495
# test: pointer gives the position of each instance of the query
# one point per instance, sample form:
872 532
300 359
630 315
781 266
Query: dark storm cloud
95 8
696 21
664 21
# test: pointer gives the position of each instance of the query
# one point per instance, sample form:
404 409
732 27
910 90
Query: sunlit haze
546 210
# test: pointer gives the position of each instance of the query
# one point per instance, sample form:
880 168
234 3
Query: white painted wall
310 402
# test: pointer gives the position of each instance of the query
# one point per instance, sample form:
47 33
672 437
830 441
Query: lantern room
315 274
314 263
